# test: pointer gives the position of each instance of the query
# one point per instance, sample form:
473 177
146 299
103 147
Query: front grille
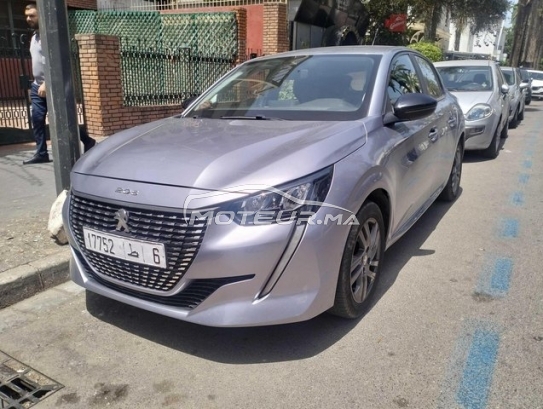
191 296
181 240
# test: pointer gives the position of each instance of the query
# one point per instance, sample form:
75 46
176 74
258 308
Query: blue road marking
495 278
501 276
468 378
527 163
523 178
479 369
509 228
517 198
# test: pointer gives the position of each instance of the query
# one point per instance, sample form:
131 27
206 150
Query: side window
403 78
432 79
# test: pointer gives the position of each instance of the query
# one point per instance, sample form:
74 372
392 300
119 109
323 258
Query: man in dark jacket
37 93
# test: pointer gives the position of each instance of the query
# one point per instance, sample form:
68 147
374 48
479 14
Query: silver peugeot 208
273 197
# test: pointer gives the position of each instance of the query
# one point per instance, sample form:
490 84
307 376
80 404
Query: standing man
37 93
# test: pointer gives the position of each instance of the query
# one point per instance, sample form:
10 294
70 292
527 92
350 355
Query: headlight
290 202
479 111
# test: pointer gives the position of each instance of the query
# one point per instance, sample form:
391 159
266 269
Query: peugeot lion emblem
122 216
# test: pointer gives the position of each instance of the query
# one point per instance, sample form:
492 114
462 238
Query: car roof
342 50
464 63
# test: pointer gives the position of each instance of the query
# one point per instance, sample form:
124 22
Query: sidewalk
30 259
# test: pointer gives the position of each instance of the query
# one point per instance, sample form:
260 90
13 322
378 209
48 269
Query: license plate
137 251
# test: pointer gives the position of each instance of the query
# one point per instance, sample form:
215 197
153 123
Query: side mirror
185 104
505 89
409 107
523 85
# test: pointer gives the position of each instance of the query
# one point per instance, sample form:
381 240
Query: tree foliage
480 14
431 51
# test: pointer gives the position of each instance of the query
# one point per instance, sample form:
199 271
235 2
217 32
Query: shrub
431 51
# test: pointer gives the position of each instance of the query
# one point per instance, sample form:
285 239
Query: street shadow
477 156
532 108
276 343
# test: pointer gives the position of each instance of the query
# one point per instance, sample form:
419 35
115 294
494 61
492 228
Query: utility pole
62 111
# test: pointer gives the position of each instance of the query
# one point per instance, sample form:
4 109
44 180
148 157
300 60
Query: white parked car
537 84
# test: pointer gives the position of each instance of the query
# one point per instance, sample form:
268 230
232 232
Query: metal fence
15 67
165 58
155 5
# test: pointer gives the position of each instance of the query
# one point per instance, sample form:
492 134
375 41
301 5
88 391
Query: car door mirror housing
185 104
409 107
505 89
523 85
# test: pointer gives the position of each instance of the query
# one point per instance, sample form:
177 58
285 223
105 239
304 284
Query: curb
29 279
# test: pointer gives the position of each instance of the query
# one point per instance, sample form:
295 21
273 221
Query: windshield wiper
255 117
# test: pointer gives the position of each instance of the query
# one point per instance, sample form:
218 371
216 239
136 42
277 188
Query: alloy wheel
365 260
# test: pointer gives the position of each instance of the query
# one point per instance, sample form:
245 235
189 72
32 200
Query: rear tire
361 264
452 188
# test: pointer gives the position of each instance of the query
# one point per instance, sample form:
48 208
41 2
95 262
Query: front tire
514 122
493 149
505 131
361 263
452 188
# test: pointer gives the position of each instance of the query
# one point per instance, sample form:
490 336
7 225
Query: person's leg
39 112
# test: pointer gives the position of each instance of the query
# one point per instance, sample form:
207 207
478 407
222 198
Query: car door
502 97
412 158
446 118
522 91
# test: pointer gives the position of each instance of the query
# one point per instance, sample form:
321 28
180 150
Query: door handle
433 135
452 122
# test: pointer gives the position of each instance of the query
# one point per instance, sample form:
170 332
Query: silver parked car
483 95
273 197
516 93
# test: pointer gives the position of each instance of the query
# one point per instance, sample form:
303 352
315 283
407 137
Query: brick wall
275 29
102 90
82 4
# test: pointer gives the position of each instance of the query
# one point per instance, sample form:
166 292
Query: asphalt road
458 323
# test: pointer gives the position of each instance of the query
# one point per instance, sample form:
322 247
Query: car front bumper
240 276
479 133
537 93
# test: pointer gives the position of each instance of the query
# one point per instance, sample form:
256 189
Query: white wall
124 5
485 42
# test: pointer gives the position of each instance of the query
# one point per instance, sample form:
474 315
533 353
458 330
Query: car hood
216 154
468 99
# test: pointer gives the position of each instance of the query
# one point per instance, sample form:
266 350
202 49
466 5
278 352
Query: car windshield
536 75
466 79
509 76
321 87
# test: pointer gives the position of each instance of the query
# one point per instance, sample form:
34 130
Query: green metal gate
165 58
